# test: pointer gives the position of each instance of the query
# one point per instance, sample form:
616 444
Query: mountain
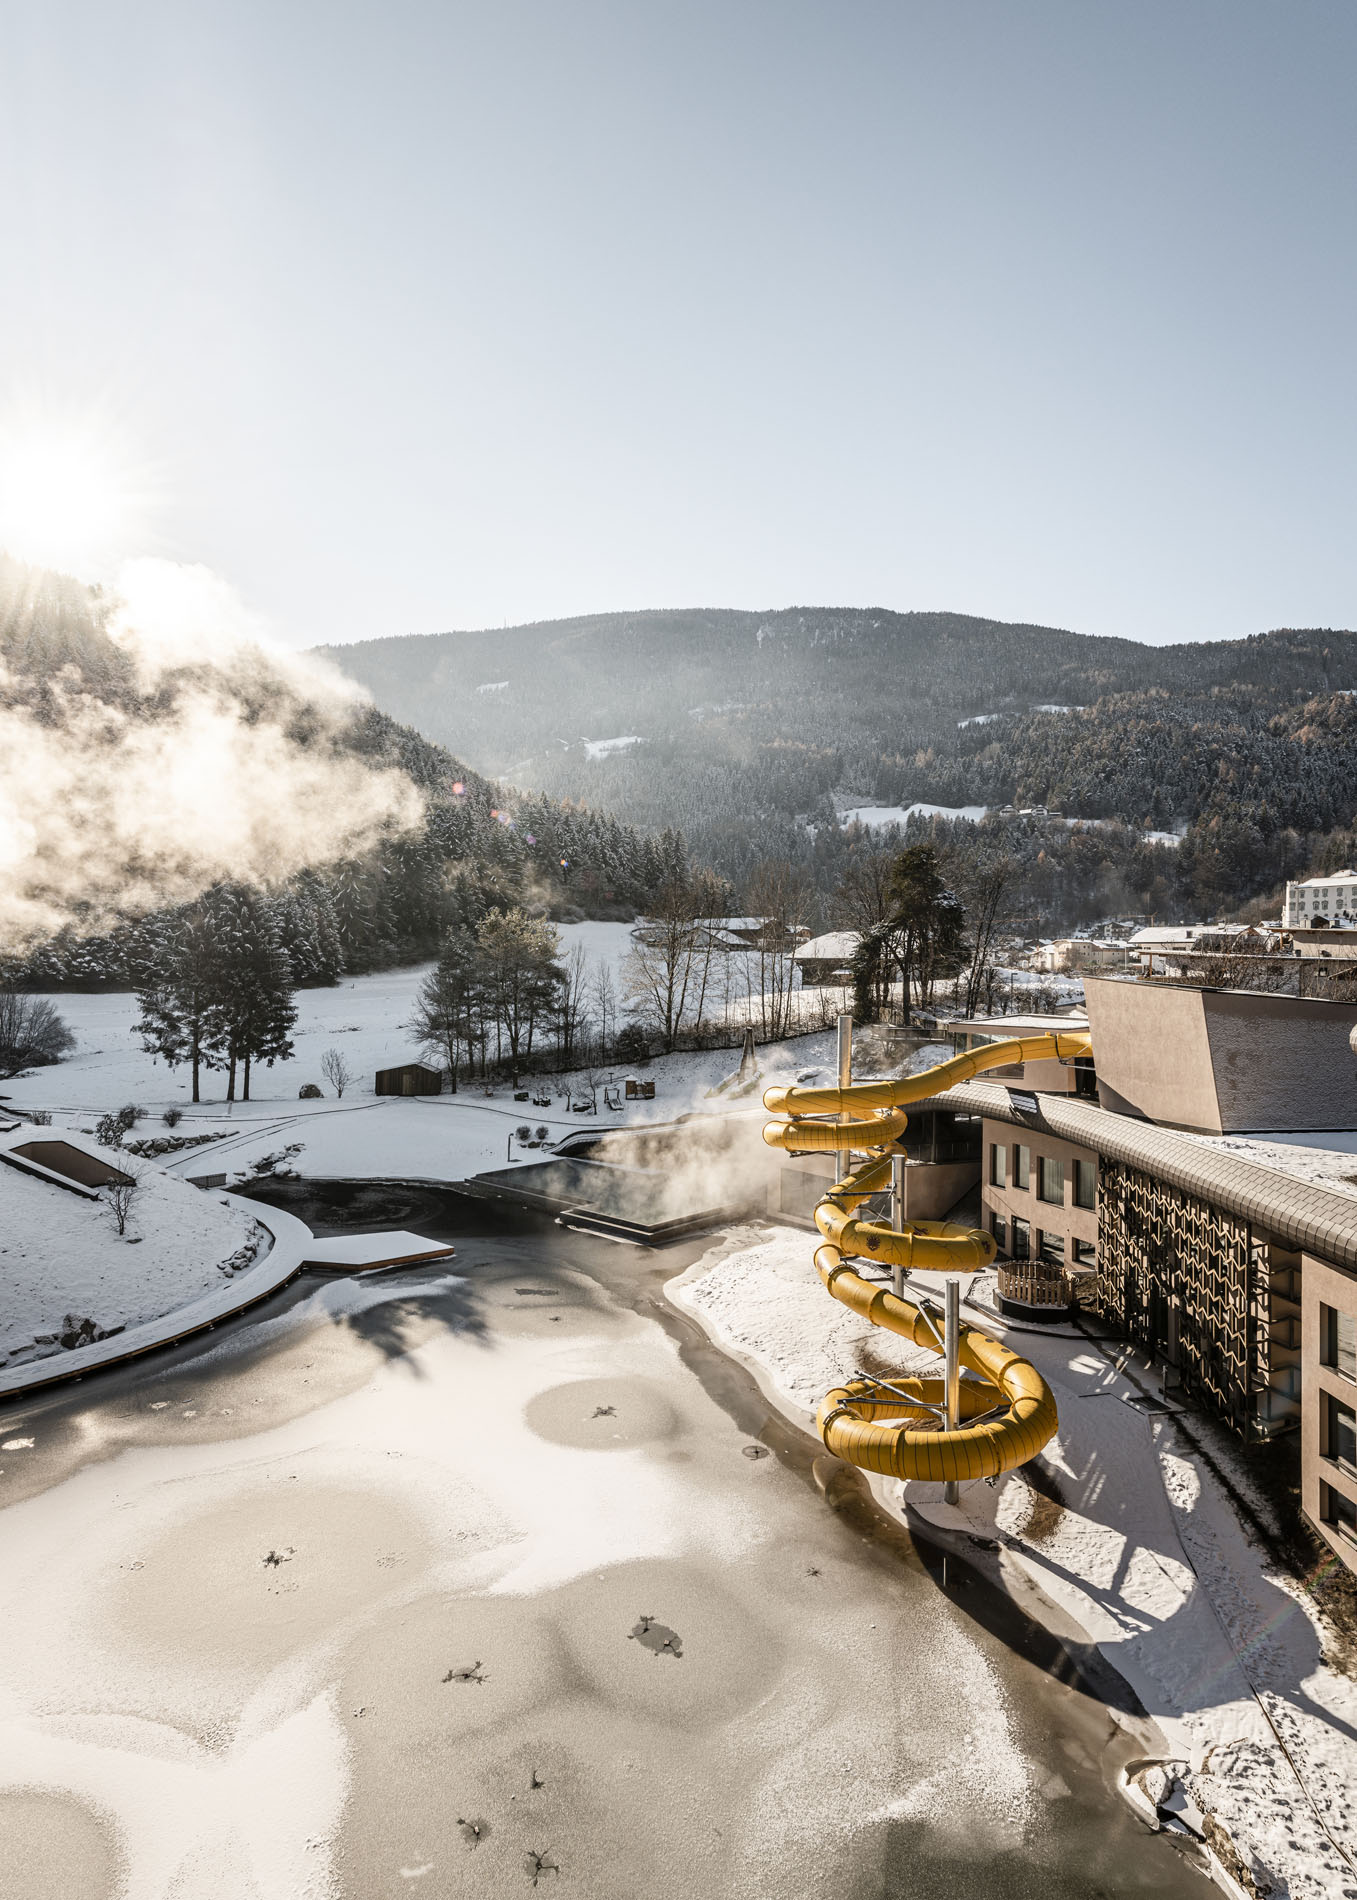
753 731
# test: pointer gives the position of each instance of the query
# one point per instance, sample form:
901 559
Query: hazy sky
437 315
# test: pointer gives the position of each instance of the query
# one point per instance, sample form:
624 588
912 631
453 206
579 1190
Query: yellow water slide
1004 1412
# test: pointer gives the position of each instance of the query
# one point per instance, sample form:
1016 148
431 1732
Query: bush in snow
110 1129
172 1117
40 1118
31 1033
308 1092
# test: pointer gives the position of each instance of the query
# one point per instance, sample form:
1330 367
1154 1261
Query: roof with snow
836 946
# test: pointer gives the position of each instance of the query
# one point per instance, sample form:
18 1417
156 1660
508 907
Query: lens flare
69 495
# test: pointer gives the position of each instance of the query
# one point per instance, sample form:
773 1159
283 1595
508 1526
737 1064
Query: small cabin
411 1078
638 1091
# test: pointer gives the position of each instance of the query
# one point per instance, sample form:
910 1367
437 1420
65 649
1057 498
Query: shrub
110 1129
172 1117
308 1092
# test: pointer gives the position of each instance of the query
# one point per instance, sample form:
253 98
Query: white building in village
1327 902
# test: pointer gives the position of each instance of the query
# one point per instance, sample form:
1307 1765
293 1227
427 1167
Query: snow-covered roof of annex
836 946
1333 877
1069 1023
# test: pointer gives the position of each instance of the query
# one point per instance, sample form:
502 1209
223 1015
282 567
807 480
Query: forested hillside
472 845
753 731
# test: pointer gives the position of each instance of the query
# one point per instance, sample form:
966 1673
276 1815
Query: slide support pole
898 1219
951 1336
846 1063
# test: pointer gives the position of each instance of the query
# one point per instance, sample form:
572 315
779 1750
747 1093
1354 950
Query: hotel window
999 1228
996 1164
1085 1253
1338 1341
1022 1241
1022 1166
1341 1432
1051 1248
1051 1181
1338 1511
1085 1184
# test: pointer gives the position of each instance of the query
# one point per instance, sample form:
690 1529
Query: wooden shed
411 1078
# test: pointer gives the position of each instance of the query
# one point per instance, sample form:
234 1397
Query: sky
407 317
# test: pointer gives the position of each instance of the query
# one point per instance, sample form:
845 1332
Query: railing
1037 1283
1040 1283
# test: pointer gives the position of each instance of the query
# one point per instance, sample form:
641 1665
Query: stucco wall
1152 1055
1322 1285
1070 1222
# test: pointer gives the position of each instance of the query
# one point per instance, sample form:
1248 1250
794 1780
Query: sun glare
68 497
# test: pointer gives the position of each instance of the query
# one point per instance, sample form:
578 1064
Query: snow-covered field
363 1017
1132 1536
63 1260
600 748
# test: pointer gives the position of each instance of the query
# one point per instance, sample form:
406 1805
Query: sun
69 496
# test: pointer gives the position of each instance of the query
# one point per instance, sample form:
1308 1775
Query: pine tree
180 993
256 982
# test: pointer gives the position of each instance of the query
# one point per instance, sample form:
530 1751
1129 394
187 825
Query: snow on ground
877 816
62 1258
600 748
447 1137
364 1017
609 944
1140 1545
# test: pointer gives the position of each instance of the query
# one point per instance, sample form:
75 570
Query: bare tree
574 1000
863 894
335 1068
667 972
32 1034
782 896
984 898
120 1194
604 999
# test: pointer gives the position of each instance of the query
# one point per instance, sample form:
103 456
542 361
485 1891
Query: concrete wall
1222 1061
1323 1285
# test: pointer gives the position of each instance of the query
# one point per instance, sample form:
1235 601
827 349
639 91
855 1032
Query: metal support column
951 1338
846 1070
845 1049
897 1216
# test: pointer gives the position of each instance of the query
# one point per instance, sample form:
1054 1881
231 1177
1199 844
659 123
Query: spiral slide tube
895 1426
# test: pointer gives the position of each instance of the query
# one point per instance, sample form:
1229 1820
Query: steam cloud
227 768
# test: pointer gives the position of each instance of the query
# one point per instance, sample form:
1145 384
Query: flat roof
1292 1210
